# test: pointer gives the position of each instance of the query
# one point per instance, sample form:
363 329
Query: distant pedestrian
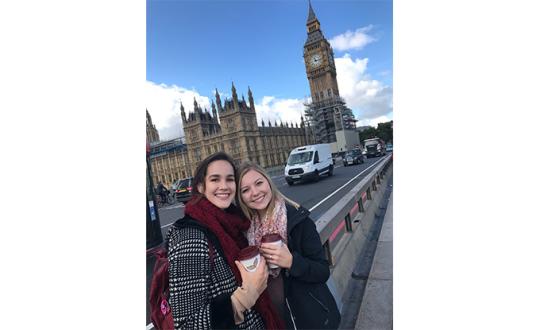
298 287
162 191
209 288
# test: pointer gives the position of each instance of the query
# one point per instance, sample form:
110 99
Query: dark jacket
309 300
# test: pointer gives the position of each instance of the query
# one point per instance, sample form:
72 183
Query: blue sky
194 47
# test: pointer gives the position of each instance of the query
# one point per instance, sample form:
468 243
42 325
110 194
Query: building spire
233 89
214 113
183 112
311 14
218 101
148 118
235 96
250 98
196 107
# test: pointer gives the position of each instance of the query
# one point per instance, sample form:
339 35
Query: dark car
183 190
353 157
374 147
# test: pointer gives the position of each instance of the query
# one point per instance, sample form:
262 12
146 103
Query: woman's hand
254 281
278 255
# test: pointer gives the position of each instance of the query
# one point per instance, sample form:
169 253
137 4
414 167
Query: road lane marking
351 180
167 225
149 326
175 206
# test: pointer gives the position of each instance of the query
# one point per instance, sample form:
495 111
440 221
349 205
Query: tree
383 131
368 133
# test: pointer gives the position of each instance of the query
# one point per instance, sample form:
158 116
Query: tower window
329 92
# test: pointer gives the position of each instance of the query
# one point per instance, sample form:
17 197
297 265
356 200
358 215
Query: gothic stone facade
237 133
152 135
169 161
232 127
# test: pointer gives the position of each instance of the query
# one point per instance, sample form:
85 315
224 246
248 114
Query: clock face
315 60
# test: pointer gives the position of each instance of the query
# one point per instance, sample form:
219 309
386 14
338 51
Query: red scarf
229 227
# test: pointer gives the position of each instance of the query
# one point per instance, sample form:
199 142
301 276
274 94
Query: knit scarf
271 223
228 226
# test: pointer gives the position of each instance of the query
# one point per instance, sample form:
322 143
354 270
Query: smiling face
219 186
255 191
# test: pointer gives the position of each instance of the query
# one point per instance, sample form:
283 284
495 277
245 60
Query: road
315 196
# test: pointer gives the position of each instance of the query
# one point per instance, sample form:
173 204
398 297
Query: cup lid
269 238
248 252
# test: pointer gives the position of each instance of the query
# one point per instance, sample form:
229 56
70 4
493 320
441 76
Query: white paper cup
273 239
250 258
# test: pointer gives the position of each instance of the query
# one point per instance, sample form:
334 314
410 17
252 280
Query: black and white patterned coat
201 285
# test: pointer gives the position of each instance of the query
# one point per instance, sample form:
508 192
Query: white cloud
163 104
352 40
374 121
370 99
273 109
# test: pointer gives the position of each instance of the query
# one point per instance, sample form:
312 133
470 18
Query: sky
196 47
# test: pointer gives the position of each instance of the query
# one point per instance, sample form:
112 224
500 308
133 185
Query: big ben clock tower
331 120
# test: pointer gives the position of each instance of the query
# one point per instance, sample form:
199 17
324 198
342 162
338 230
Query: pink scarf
271 223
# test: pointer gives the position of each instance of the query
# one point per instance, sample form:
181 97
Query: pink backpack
160 310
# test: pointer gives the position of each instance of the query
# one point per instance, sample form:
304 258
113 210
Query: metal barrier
344 226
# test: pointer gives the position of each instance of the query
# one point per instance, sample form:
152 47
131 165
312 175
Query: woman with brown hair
297 286
209 288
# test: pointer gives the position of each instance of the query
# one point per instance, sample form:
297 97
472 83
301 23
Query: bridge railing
344 227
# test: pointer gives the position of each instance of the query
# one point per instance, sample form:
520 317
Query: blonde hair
248 212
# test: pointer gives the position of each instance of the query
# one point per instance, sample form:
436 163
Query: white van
309 162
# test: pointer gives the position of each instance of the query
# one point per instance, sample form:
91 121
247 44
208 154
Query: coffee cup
250 257
274 239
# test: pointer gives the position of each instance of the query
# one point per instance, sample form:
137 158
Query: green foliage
383 131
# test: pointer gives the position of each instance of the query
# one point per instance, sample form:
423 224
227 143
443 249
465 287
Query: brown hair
202 169
248 212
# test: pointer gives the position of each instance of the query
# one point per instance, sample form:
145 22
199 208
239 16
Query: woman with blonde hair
297 286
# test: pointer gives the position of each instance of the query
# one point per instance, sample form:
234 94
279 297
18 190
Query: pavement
376 310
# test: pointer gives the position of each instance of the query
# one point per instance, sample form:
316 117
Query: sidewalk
377 304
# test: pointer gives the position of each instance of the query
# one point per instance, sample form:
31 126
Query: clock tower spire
327 109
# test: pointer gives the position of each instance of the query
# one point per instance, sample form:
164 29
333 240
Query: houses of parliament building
236 132
232 126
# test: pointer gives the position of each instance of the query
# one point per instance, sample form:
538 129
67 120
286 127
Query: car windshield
184 183
300 158
353 153
371 143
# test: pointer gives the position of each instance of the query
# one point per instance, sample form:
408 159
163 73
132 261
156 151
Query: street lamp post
153 227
